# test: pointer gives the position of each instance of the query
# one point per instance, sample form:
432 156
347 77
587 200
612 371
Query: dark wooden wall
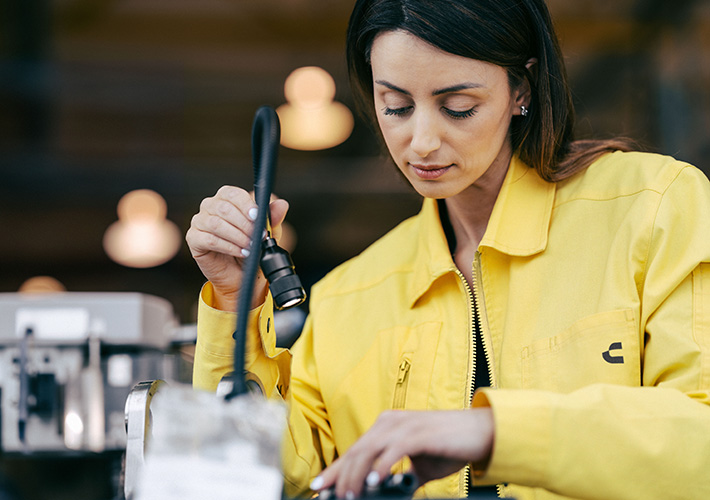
99 97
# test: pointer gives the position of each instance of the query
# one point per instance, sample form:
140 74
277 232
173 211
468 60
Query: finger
221 230
365 455
278 208
237 208
387 459
231 204
235 195
231 201
360 460
326 479
338 476
201 243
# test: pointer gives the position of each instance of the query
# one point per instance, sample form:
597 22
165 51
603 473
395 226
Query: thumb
278 209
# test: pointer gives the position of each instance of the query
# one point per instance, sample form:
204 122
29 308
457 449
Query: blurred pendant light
311 119
142 237
42 284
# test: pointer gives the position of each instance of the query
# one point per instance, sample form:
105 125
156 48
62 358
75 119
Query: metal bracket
138 423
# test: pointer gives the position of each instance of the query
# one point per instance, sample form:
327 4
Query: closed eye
397 111
460 115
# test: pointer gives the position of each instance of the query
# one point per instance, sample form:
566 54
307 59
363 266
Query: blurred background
99 98
154 99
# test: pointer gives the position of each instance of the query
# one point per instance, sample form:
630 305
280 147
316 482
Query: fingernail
317 483
349 495
373 479
245 252
253 212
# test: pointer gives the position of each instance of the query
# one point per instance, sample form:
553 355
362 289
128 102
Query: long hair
507 33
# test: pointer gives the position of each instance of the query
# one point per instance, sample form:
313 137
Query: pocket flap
602 348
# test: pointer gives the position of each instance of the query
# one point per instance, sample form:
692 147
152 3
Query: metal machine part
138 423
68 362
128 319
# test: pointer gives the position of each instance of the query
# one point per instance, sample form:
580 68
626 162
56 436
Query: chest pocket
602 348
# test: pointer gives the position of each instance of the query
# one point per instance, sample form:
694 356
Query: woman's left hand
438 443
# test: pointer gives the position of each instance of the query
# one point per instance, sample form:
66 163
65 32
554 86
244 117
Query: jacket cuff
217 326
523 426
214 350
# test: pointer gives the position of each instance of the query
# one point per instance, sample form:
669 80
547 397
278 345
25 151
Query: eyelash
456 115
397 111
460 115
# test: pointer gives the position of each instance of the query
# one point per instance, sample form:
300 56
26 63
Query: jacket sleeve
609 441
214 350
307 442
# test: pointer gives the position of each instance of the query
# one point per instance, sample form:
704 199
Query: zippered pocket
399 402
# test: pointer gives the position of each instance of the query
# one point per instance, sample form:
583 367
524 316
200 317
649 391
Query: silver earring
524 111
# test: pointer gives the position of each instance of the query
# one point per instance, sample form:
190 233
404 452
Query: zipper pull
403 370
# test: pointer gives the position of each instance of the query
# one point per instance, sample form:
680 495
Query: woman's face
445 118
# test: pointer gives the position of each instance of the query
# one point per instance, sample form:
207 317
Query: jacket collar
518 226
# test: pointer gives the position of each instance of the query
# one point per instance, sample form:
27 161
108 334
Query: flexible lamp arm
285 285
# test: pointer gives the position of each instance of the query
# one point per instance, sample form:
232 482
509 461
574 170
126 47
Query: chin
433 190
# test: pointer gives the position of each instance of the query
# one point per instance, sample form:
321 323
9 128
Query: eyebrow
446 90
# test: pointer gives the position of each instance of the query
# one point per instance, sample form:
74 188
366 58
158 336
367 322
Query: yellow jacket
595 306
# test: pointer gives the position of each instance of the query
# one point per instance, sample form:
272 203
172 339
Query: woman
571 277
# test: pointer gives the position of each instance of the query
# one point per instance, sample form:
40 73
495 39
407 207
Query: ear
523 94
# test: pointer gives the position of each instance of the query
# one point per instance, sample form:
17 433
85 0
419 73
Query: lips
429 172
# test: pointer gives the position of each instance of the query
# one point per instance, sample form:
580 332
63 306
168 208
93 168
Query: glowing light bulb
311 119
142 204
310 87
42 284
142 237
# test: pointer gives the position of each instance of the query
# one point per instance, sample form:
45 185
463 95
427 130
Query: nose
426 137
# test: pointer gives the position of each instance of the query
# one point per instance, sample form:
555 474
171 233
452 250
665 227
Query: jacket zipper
478 298
476 329
472 375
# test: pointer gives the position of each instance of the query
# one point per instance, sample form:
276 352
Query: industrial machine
68 362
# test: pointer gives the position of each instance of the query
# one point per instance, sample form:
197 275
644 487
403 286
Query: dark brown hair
508 33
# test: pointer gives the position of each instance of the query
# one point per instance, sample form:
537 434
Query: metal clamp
138 423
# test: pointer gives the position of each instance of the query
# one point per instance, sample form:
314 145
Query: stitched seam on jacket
330 293
701 320
655 221
210 352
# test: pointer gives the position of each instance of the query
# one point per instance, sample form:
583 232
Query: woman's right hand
219 238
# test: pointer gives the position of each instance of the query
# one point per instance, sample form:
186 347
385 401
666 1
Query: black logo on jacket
614 360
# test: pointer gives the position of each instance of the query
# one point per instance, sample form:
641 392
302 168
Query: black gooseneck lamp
278 268
275 262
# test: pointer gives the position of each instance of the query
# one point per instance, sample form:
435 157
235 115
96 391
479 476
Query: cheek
491 129
392 136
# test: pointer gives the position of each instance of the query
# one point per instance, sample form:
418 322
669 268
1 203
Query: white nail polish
373 479
245 252
317 483
253 212
349 495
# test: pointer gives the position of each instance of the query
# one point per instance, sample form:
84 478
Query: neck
470 210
